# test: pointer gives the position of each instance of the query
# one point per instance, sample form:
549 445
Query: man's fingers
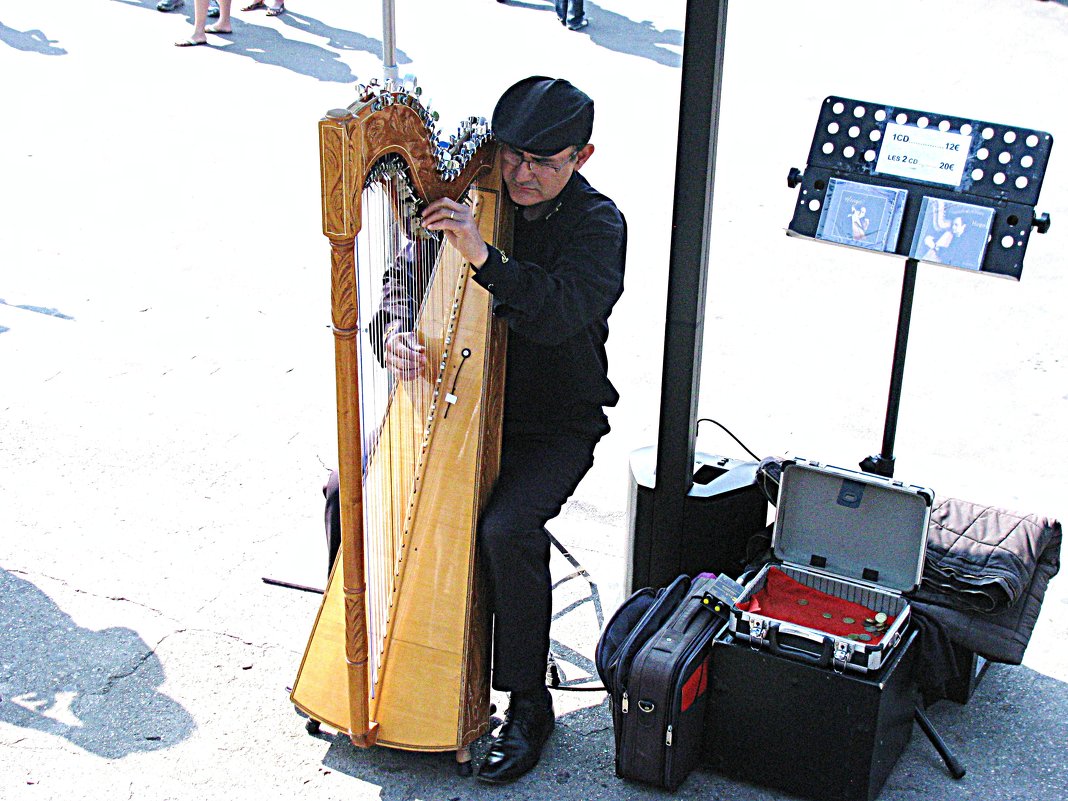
404 356
457 221
443 212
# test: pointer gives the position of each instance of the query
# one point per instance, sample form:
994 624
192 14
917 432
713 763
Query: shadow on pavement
267 45
339 37
49 312
615 32
403 775
97 689
33 41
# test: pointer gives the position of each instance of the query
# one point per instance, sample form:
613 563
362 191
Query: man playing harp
556 291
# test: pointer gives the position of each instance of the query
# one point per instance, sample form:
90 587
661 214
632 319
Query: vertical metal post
389 41
702 73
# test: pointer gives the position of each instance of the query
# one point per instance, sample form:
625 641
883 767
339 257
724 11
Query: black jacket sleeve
550 303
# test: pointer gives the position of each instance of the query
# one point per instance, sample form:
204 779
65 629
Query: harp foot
312 726
464 765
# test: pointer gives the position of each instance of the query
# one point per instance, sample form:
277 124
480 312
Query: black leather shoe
528 724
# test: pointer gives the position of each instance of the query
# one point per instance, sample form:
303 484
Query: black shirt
556 290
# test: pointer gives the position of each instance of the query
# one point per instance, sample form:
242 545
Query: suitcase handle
824 660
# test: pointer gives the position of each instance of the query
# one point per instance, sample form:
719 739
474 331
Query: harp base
367 739
464 765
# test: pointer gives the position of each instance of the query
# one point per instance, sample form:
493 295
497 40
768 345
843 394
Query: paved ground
166 401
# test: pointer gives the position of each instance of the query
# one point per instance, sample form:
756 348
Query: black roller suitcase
637 619
659 699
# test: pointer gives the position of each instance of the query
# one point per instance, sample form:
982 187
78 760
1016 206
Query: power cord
770 468
729 433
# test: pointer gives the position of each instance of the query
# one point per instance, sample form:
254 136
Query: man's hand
404 356
458 222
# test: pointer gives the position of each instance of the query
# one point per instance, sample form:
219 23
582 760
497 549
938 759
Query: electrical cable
729 433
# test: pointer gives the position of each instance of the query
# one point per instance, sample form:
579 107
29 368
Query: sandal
255 6
277 12
215 29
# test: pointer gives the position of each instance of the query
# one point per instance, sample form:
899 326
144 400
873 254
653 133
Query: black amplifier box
723 510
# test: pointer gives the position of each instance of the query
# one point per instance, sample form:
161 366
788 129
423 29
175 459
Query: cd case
862 215
952 233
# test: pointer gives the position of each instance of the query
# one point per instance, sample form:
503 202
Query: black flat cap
543 116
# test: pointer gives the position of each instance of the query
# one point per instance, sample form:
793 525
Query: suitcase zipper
673 713
625 705
671 710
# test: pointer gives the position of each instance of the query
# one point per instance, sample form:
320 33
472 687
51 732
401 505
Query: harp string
397 416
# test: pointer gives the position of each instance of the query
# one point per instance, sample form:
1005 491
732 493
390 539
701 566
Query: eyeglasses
541 167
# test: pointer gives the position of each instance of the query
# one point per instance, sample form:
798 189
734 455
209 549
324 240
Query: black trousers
539 472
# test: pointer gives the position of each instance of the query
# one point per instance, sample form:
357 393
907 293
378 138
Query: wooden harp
399 651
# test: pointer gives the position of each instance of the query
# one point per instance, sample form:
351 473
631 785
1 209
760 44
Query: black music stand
930 187
946 190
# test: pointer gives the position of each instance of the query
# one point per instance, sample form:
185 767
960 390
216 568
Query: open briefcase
794 702
849 544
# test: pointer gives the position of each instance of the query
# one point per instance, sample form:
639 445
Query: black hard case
806 730
856 536
658 708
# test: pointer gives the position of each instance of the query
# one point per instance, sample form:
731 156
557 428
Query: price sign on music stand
931 187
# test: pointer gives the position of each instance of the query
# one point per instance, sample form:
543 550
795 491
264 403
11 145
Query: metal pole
389 41
702 73
883 463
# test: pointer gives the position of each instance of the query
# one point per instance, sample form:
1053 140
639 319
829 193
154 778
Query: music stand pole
883 463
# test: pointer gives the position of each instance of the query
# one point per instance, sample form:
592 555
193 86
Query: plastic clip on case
849 544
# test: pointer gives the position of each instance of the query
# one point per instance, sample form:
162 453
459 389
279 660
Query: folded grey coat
985 574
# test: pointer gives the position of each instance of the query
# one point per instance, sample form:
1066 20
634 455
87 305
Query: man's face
532 180
958 226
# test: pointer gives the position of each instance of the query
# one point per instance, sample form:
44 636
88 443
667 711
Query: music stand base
879 465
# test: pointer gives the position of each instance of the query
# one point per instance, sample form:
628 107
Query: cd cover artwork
862 215
952 233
